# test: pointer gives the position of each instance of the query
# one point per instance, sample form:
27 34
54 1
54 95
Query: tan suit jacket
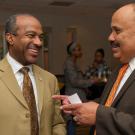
14 112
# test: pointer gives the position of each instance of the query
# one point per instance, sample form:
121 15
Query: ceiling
77 7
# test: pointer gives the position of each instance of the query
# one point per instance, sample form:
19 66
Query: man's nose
111 37
37 41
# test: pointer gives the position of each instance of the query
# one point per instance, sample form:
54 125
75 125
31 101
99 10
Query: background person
99 70
74 80
99 67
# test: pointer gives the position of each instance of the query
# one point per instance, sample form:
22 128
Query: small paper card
74 99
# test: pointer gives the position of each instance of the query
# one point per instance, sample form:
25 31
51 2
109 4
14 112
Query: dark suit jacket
119 119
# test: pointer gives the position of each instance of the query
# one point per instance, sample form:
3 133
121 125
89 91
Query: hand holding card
74 99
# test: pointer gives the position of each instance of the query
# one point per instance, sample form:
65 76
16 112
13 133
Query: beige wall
92 33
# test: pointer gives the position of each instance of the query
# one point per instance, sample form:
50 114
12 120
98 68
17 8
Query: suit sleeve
58 122
112 122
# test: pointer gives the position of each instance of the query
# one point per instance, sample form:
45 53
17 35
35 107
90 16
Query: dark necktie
28 94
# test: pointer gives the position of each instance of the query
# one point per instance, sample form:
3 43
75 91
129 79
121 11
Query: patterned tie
28 94
111 96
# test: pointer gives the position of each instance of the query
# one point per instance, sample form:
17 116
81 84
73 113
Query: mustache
35 47
115 44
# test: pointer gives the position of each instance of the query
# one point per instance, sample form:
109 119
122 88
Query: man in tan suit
24 37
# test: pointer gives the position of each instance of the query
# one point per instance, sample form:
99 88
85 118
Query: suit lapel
109 86
40 86
125 87
7 76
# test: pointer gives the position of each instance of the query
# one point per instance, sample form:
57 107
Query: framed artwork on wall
3 46
47 35
71 34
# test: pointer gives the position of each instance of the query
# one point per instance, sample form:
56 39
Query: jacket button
27 115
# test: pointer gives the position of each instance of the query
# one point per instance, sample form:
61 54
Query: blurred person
99 67
100 70
114 115
74 80
26 106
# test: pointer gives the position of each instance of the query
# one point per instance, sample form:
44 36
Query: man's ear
10 39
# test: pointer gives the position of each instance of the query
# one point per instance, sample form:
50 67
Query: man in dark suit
32 112
115 114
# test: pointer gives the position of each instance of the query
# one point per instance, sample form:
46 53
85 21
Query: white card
74 99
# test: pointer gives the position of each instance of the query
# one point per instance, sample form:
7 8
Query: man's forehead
125 12
28 22
26 16
25 19
124 16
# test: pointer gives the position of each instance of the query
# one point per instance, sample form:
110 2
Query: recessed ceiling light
60 3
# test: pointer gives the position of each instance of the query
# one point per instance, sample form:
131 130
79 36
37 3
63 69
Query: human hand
84 114
64 100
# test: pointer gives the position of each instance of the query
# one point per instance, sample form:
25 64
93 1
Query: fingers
71 107
63 98
59 97
75 118
67 112
67 107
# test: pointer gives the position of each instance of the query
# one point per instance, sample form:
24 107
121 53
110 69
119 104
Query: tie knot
124 68
24 70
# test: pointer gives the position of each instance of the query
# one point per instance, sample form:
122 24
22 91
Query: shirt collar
15 65
132 64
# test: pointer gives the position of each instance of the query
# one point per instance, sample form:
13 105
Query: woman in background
74 80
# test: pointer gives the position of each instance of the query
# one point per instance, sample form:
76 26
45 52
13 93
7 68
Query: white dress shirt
128 72
16 66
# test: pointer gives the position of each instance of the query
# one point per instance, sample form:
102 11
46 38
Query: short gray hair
10 25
